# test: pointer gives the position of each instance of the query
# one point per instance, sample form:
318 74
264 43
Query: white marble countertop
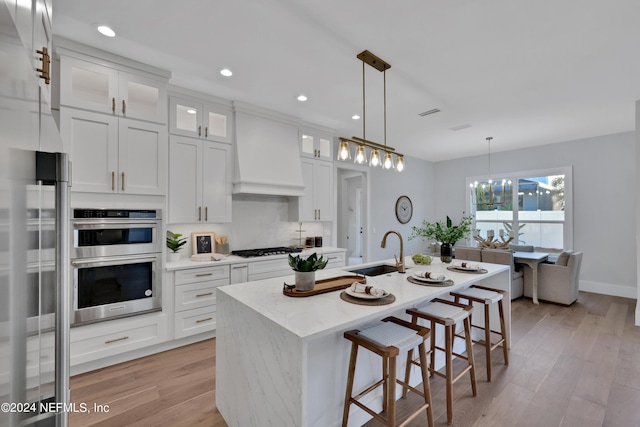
234 259
326 313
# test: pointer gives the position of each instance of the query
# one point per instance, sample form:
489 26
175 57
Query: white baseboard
609 289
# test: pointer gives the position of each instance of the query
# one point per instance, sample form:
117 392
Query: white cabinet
259 270
200 181
112 155
107 89
317 202
315 145
104 339
195 299
239 273
200 120
336 259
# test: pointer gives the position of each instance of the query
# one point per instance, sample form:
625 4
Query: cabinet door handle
206 319
122 181
204 274
45 71
238 267
116 340
113 181
199 213
206 132
318 214
113 105
204 295
124 107
332 257
199 130
206 213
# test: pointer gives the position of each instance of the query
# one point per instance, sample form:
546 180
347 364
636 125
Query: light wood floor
570 366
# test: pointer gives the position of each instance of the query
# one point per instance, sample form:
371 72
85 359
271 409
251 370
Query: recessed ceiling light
106 31
226 72
355 117
302 98
191 111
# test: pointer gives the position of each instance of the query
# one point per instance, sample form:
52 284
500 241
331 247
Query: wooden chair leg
432 346
503 332
487 339
350 376
391 391
449 372
407 372
426 388
472 371
385 385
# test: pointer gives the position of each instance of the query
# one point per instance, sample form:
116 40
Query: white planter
305 280
173 256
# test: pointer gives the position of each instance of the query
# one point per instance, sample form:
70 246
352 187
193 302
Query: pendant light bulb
388 162
343 152
361 155
400 164
375 158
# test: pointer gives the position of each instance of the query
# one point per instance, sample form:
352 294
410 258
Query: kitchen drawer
203 274
336 260
196 295
192 322
259 270
104 339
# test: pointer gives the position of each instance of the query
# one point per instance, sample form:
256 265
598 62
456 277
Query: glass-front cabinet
200 120
314 144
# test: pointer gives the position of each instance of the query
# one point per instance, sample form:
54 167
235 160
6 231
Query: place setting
427 278
366 294
467 267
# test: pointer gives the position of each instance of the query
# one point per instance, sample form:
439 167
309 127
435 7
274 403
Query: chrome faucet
400 262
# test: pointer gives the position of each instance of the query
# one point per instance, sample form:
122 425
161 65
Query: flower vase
446 252
305 280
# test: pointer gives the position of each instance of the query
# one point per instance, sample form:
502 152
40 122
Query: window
538 214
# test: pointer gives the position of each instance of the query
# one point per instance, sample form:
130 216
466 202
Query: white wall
417 182
604 188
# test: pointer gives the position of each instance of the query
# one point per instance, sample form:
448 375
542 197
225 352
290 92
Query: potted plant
175 243
444 232
305 270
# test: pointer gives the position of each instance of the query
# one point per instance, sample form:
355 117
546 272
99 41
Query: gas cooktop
248 253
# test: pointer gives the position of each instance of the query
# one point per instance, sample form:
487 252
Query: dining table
532 260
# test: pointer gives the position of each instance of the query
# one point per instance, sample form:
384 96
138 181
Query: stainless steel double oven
116 263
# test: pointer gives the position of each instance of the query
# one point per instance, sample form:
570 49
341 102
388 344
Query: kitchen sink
375 270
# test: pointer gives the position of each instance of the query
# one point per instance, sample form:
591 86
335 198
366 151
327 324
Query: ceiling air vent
426 113
460 127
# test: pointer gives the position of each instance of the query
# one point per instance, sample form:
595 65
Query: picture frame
202 242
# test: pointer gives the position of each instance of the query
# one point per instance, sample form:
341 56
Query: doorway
352 218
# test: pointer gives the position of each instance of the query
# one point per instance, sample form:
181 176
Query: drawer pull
204 295
206 319
116 340
204 274
239 267
332 257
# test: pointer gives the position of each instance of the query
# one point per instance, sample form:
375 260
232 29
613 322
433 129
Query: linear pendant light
381 154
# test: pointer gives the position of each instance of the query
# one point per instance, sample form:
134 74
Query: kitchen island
282 361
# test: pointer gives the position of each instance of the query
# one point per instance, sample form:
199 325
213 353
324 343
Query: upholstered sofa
557 282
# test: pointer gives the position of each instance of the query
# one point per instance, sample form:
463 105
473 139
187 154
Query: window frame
567 171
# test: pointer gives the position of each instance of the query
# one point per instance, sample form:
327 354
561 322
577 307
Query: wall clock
404 209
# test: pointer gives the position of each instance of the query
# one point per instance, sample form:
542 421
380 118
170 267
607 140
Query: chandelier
491 193
381 155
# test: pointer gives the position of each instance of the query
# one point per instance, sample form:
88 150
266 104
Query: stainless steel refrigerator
34 287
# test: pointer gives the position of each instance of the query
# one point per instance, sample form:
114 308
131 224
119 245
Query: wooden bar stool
487 296
449 314
387 340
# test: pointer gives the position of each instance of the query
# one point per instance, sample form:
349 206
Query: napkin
367 289
466 265
429 275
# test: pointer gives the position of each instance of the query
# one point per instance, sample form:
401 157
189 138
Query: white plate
362 295
428 280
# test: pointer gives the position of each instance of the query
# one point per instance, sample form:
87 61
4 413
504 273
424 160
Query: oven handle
86 261
120 223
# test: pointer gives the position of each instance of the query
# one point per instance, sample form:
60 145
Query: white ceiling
525 72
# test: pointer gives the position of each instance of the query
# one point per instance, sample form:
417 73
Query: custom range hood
267 153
